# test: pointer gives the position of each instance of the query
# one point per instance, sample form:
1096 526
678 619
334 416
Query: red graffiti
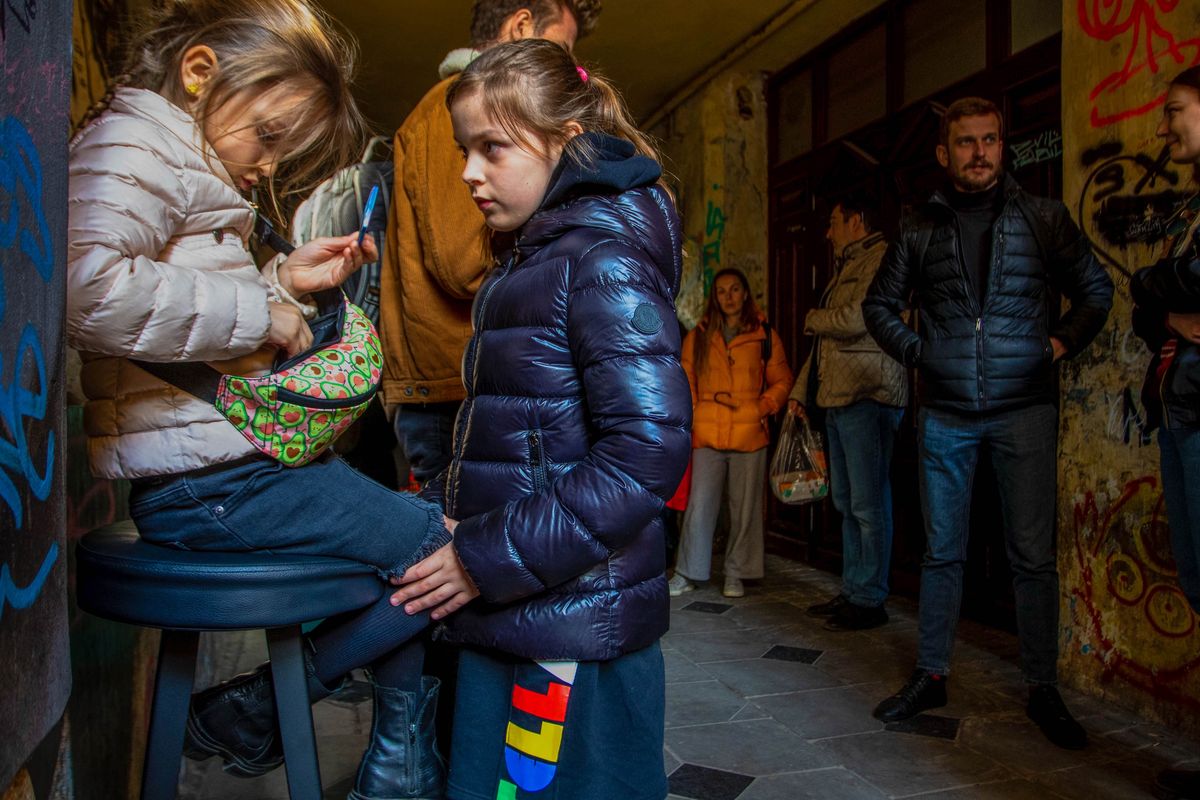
1150 44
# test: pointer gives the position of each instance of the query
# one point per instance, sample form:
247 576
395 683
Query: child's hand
439 582
324 263
289 331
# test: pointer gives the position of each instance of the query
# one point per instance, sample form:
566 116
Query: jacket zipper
305 401
469 370
1162 393
537 462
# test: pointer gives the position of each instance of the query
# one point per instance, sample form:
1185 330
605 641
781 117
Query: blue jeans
1180 466
1023 444
426 432
325 508
862 436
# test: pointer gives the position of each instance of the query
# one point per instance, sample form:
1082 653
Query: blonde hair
260 44
533 89
714 317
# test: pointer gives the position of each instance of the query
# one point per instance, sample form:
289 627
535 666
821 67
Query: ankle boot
236 720
402 760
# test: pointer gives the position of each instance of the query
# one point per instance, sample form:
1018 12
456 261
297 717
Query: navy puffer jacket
576 426
973 358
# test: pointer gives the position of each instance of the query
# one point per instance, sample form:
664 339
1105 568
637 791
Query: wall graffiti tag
1149 45
1046 146
1127 198
714 239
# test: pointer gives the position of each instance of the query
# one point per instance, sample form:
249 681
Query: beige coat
851 367
157 270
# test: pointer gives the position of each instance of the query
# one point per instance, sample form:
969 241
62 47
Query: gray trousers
712 471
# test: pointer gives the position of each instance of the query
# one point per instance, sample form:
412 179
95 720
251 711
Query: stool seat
123 578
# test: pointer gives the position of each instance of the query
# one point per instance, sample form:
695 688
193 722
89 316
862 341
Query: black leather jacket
973 358
1170 286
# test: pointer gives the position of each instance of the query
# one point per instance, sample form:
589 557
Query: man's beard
964 181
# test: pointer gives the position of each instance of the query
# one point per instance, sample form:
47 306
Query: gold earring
193 89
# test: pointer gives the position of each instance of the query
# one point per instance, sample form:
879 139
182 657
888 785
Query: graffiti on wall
1046 146
1142 31
35 668
1123 554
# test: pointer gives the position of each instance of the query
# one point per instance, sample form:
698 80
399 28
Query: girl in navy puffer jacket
574 433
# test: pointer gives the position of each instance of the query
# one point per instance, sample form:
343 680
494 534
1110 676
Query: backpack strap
766 353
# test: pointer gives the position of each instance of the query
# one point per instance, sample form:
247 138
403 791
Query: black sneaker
923 691
828 608
1047 709
852 617
1177 784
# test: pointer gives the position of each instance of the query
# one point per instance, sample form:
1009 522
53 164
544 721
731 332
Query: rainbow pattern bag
297 410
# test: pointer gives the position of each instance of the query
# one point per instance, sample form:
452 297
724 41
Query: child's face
246 132
507 182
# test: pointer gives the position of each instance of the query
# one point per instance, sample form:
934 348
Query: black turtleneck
976 212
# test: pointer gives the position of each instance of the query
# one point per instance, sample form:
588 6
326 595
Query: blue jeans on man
862 437
426 433
1023 445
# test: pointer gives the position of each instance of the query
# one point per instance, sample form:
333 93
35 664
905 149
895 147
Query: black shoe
236 720
851 617
922 692
828 608
1177 784
402 759
1047 709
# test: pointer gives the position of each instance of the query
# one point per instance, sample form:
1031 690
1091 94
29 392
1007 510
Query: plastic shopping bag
798 470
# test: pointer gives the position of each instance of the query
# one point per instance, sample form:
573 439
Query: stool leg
295 713
168 715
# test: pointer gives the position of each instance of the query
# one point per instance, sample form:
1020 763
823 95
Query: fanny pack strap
197 379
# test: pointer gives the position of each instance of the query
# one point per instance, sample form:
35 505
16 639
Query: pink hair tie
583 76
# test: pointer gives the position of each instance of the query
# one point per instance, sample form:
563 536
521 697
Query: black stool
121 577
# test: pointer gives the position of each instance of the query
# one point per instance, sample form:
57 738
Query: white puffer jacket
157 270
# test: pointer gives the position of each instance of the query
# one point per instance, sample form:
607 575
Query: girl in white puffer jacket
221 97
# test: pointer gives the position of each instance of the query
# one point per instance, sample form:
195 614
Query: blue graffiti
23 596
23 226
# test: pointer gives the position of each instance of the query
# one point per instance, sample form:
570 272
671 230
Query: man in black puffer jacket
984 259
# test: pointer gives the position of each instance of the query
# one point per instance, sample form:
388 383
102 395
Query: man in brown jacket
434 259
863 392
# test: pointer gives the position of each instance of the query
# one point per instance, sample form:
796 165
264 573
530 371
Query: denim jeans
1180 466
426 432
325 508
862 436
1023 444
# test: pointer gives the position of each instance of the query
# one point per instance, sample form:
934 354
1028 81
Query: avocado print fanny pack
297 410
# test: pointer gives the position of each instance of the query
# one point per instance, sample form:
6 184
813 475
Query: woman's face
731 296
1180 126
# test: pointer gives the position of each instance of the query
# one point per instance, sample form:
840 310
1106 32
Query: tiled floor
764 704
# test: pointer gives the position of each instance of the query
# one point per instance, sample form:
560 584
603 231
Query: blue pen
371 198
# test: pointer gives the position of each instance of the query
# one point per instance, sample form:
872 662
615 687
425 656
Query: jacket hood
456 61
615 190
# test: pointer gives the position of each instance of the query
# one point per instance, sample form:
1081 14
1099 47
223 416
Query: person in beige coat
862 392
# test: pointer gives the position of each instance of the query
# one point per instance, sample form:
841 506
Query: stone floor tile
854 666
681 669
766 614
701 703
686 622
1013 740
822 713
1019 789
899 764
825 784
761 747
762 676
703 648
706 607
702 783
1117 780
935 725
671 762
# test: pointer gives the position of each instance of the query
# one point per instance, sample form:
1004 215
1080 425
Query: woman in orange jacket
739 378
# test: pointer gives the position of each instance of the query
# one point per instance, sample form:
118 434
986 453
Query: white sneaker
678 585
734 588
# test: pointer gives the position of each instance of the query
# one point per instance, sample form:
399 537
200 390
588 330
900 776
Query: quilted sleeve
126 201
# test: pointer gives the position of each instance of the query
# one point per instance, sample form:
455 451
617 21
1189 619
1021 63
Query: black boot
402 760
236 720
922 692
